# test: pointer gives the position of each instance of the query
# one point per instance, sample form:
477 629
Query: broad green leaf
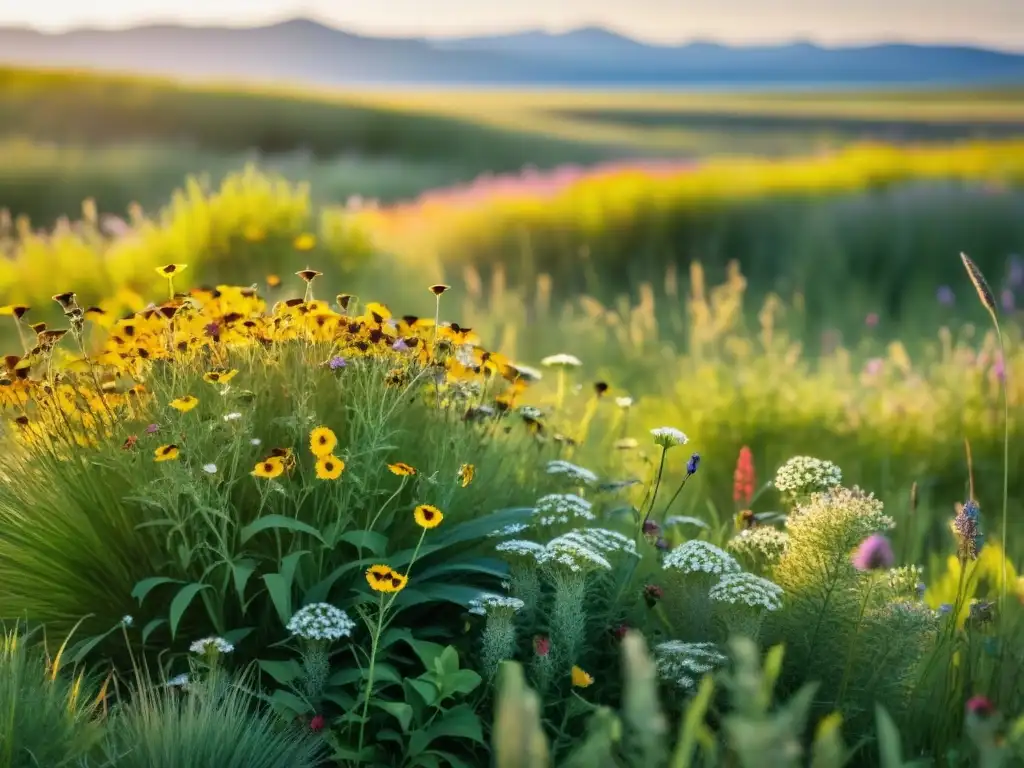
288 704
890 750
241 571
146 586
181 602
284 672
459 722
280 594
382 673
371 541
151 627
436 592
445 759
235 636
827 750
447 662
86 646
479 527
597 750
289 563
461 681
428 652
319 592
691 724
486 566
772 667
426 691
344 701
399 710
278 522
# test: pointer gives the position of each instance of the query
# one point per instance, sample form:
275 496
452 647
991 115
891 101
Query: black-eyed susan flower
166 453
16 311
398 581
322 441
329 468
427 516
304 242
439 288
402 470
185 404
286 456
379 578
66 300
581 679
308 275
466 473
219 377
170 270
344 300
269 468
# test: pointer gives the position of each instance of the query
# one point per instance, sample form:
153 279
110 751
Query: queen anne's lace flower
527 373
495 604
509 530
763 542
521 547
667 437
572 554
685 663
530 412
561 508
573 472
561 360
321 621
802 475
747 589
600 539
218 644
836 521
696 556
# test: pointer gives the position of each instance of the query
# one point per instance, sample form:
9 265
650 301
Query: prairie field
509 428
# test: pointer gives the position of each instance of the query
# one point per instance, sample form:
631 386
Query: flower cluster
837 520
522 548
684 663
747 589
966 527
509 530
211 645
383 578
697 556
743 479
572 552
495 604
905 581
321 621
577 474
599 539
668 437
803 475
760 543
561 508
561 360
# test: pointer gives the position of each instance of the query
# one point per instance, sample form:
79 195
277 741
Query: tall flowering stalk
988 301
743 478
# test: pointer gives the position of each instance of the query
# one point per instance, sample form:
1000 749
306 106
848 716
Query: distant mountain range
303 51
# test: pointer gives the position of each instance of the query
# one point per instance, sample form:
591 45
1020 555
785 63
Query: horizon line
511 31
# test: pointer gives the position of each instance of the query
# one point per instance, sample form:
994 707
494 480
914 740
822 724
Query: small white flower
255 441
599 539
527 373
561 508
521 547
127 621
321 621
211 644
574 472
530 412
573 554
232 416
747 589
682 663
562 360
624 402
509 530
491 605
762 541
178 681
210 469
803 475
667 437
696 556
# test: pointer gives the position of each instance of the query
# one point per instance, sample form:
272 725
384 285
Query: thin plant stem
1006 462
853 643
374 641
657 484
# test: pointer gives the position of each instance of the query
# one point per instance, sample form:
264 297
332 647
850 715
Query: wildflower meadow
278 491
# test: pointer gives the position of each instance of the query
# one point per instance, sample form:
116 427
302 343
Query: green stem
657 484
675 496
853 644
1006 461
374 641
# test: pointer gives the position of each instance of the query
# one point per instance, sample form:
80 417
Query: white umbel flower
178 681
530 412
521 547
747 589
602 540
561 360
491 605
572 554
667 437
803 475
762 542
211 644
509 530
321 621
573 472
624 402
526 373
561 508
685 663
696 556
210 469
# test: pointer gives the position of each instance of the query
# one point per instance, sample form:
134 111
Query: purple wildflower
999 368
1008 300
945 296
873 554
152 428
336 363
967 530
651 528
946 608
400 345
213 330
692 464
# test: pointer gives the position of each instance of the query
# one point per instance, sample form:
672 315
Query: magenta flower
152 428
873 554
980 706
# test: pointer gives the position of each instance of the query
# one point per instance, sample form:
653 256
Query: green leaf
287 703
399 710
345 702
235 636
427 692
691 723
181 602
146 586
447 662
645 722
241 571
151 627
278 522
436 592
486 566
459 722
319 592
480 527
382 673
889 747
827 750
86 647
284 672
772 667
375 543
280 594
289 563
461 681
426 651
445 759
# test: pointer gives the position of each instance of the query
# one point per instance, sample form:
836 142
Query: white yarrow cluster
491 604
561 508
836 520
802 475
696 556
527 373
509 530
207 644
624 402
685 663
667 437
762 542
530 412
575 555
599 539
321 621
561 360
521 547
573 472
747 589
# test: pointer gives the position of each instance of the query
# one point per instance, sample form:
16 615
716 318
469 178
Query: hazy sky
990 22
